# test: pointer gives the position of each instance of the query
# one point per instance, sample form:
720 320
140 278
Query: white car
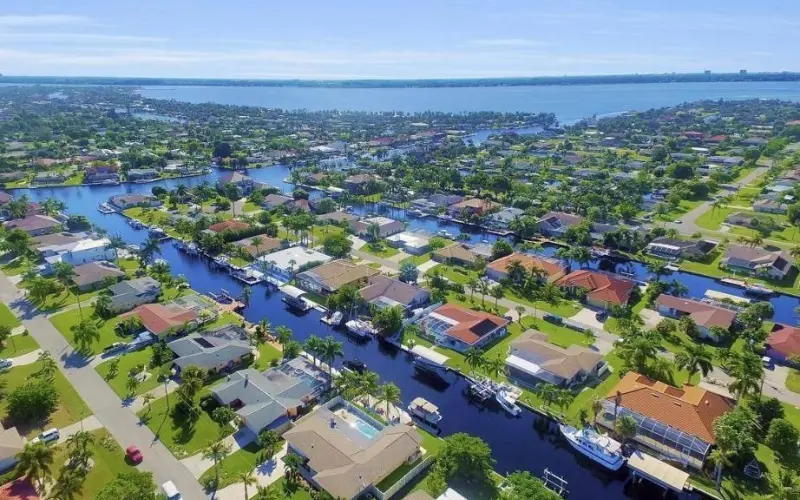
47 436
5 363
171 491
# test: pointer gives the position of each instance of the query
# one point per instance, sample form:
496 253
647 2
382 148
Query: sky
312 39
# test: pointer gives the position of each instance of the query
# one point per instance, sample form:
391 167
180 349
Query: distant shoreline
414 83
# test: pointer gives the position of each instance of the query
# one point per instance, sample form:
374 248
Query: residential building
504 217
358 183
440 200
128 294
757 261
49 178
283 264
101 174
46 241
125 201
413 242
337 218
678 423
276 200
76 253
473 206
551 269
92 275
602 289
142 174
384 291
182 314
244 183
460 328
11 443
767 205
555 224
456 254
783 344
329 277
347 453
228 225
706 316
270 400
266 245
674 248
532 359
386 226
35 225
213 350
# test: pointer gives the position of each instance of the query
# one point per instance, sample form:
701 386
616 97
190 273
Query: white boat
157 232
508 401
425 411
336 318
445 234
359 328
758 289
598 447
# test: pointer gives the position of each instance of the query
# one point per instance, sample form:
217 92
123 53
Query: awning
429 354
657 471
292 291
522 364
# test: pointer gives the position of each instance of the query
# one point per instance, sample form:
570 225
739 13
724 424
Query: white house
79 252
283 264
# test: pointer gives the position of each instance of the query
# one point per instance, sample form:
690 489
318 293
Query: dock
644 466
554 483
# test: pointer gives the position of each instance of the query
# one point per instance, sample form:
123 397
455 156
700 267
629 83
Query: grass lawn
74 180
488 304
793 380
7 318
683 207
611 323
108 335
243 460
266 354
418 260
14 267
238 261
383 251
17 345
126 363
71 407
249 207
788 285
288 491
713 222
184 438
226 318
66 298
153 216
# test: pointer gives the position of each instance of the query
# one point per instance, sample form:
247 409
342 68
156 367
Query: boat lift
554 483
644 466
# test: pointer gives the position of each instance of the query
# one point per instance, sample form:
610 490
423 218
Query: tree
498 293
113 369
747 372
291 349
85 334
388 320
597 407
735 432
782 437
247 479
522 485
474 358
547 392
268 440
337 245
495 366
785 485
721 458
217 451
330 349
33 401
695 359
223 416
133 382
193 378
147 399
292 463
408 272
148 249
313 346
64 273
465 458
102 305
34 461
283 334
116 243
472 284
40 287
389 393
501 248
625 427
68 484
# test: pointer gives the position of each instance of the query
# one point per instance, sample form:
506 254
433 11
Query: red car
134 454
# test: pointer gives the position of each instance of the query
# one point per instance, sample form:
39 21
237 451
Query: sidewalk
265 474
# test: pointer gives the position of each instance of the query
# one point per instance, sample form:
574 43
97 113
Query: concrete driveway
588 318
26 359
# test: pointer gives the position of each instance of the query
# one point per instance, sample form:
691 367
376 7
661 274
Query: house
11 443
266 244
783 343
741 219
214 350
678 423
19 489
314 179
101 174
142 174
384 291
706 316
331 276
273 200
35 225
441 200
498 269
757 261
460 328
228 225
532 359
555 224
602 289
49 178
79 252
91 275
344 460
182 314
504 217
125 201
301 205
456 254
358 183
47 241
284 263
674 248
767 205
244 183
386 226
473 206
128 294
413 242
269 400
337 218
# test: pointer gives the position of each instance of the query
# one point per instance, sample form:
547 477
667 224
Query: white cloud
76 38
508 42
42 20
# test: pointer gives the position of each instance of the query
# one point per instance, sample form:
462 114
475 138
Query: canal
527 443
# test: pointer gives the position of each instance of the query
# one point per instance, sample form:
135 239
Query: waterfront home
213 350
337 218
783 344
457 254
49 178
35 225
459 328
314 179
745 219
551 269
504 217
555 224
284 263
101 174
142 174
384 291
91 275
331 276
386 226
266 245
532 359
228 225
676 422
413 242
674 248
44 242
757 261
273 200
125 201
11 444
441 200
602 289
347 453
705 315
179 316
128 294
243 183
77 252
473 206
356 184
270 400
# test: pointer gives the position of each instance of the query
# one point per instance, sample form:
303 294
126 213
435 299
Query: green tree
84 334
330 349
247 479
389 393
409 272
625 427
388 320
33 401
116 243
747 372
223 416
217 451
522 485
68 485
292 463
283 334
313 346
465 458
64 273
784 485
696 359
34 461
782 437
193 378
337 245
268 440
474 358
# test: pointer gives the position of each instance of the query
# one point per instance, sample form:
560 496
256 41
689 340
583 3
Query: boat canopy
657 471
429 354
425 405
523 364
292 291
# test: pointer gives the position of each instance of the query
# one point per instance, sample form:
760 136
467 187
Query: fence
407 478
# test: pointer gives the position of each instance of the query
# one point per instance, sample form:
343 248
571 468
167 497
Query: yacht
359 328
425 411
598 447
508 400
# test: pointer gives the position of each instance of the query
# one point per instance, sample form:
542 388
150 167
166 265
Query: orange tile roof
471 325
785 339
553 269
158 318
228 225
691 409
601 286
21 489
705 315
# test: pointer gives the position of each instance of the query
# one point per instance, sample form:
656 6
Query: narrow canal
527 443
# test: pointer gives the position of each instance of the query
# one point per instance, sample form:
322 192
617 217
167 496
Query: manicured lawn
74 180
17 345
238 261
243 460
383 251
71 407
793 380
108 334
226 318
14 267
683 207
488 304
287 491
266 354
7 318
152 217
418 260
249 206
398 474
713 219
126 363
66 298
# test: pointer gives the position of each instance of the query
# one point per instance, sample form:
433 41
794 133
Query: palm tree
247 479
785 485
217 451
472 284
149 248
292 463
147 399
34 461
474 358
520 311
483 286
367 384
695 359
283 334
68 485
747 371
85 334
721 458
330 349
313 346
268 440
116 243
247 292
626 428
548 393
498 293
597 407
390 394
495 366
64 273
256 241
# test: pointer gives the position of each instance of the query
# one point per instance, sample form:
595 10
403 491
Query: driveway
88 424
588 318
26 359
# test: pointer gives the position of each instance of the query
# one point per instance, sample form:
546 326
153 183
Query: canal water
526 443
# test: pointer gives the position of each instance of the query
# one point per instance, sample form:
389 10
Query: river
569 102
527 443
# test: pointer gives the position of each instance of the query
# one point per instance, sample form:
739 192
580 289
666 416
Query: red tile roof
228 225
471 325
158 319
552 269
21 489
600 286
785 339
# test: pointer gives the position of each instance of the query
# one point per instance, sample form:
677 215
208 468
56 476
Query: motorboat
157 232
756 289
425 360
135 224
359 328
508 401
445 234
336 318
355 365
425 411
597 447
480 390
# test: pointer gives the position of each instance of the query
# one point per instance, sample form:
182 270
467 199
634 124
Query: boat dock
554 483
644 466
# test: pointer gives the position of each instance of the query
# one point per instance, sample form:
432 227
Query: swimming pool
355 421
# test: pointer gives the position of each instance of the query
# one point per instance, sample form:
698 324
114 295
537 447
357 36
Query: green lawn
17 345
71 407
7 318
683 207
793 380
266 354
383 251
238 261
249 207
108 335
126 363
418 260
66 298
226 318
243 460
13 267
287 491
153 216
713 219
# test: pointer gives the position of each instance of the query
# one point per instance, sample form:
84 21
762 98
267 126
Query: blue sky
394 39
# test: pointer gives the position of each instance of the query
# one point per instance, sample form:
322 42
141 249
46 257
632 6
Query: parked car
47 436
171 491
115 347
5 363
134 454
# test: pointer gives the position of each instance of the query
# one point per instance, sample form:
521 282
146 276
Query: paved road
104 403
